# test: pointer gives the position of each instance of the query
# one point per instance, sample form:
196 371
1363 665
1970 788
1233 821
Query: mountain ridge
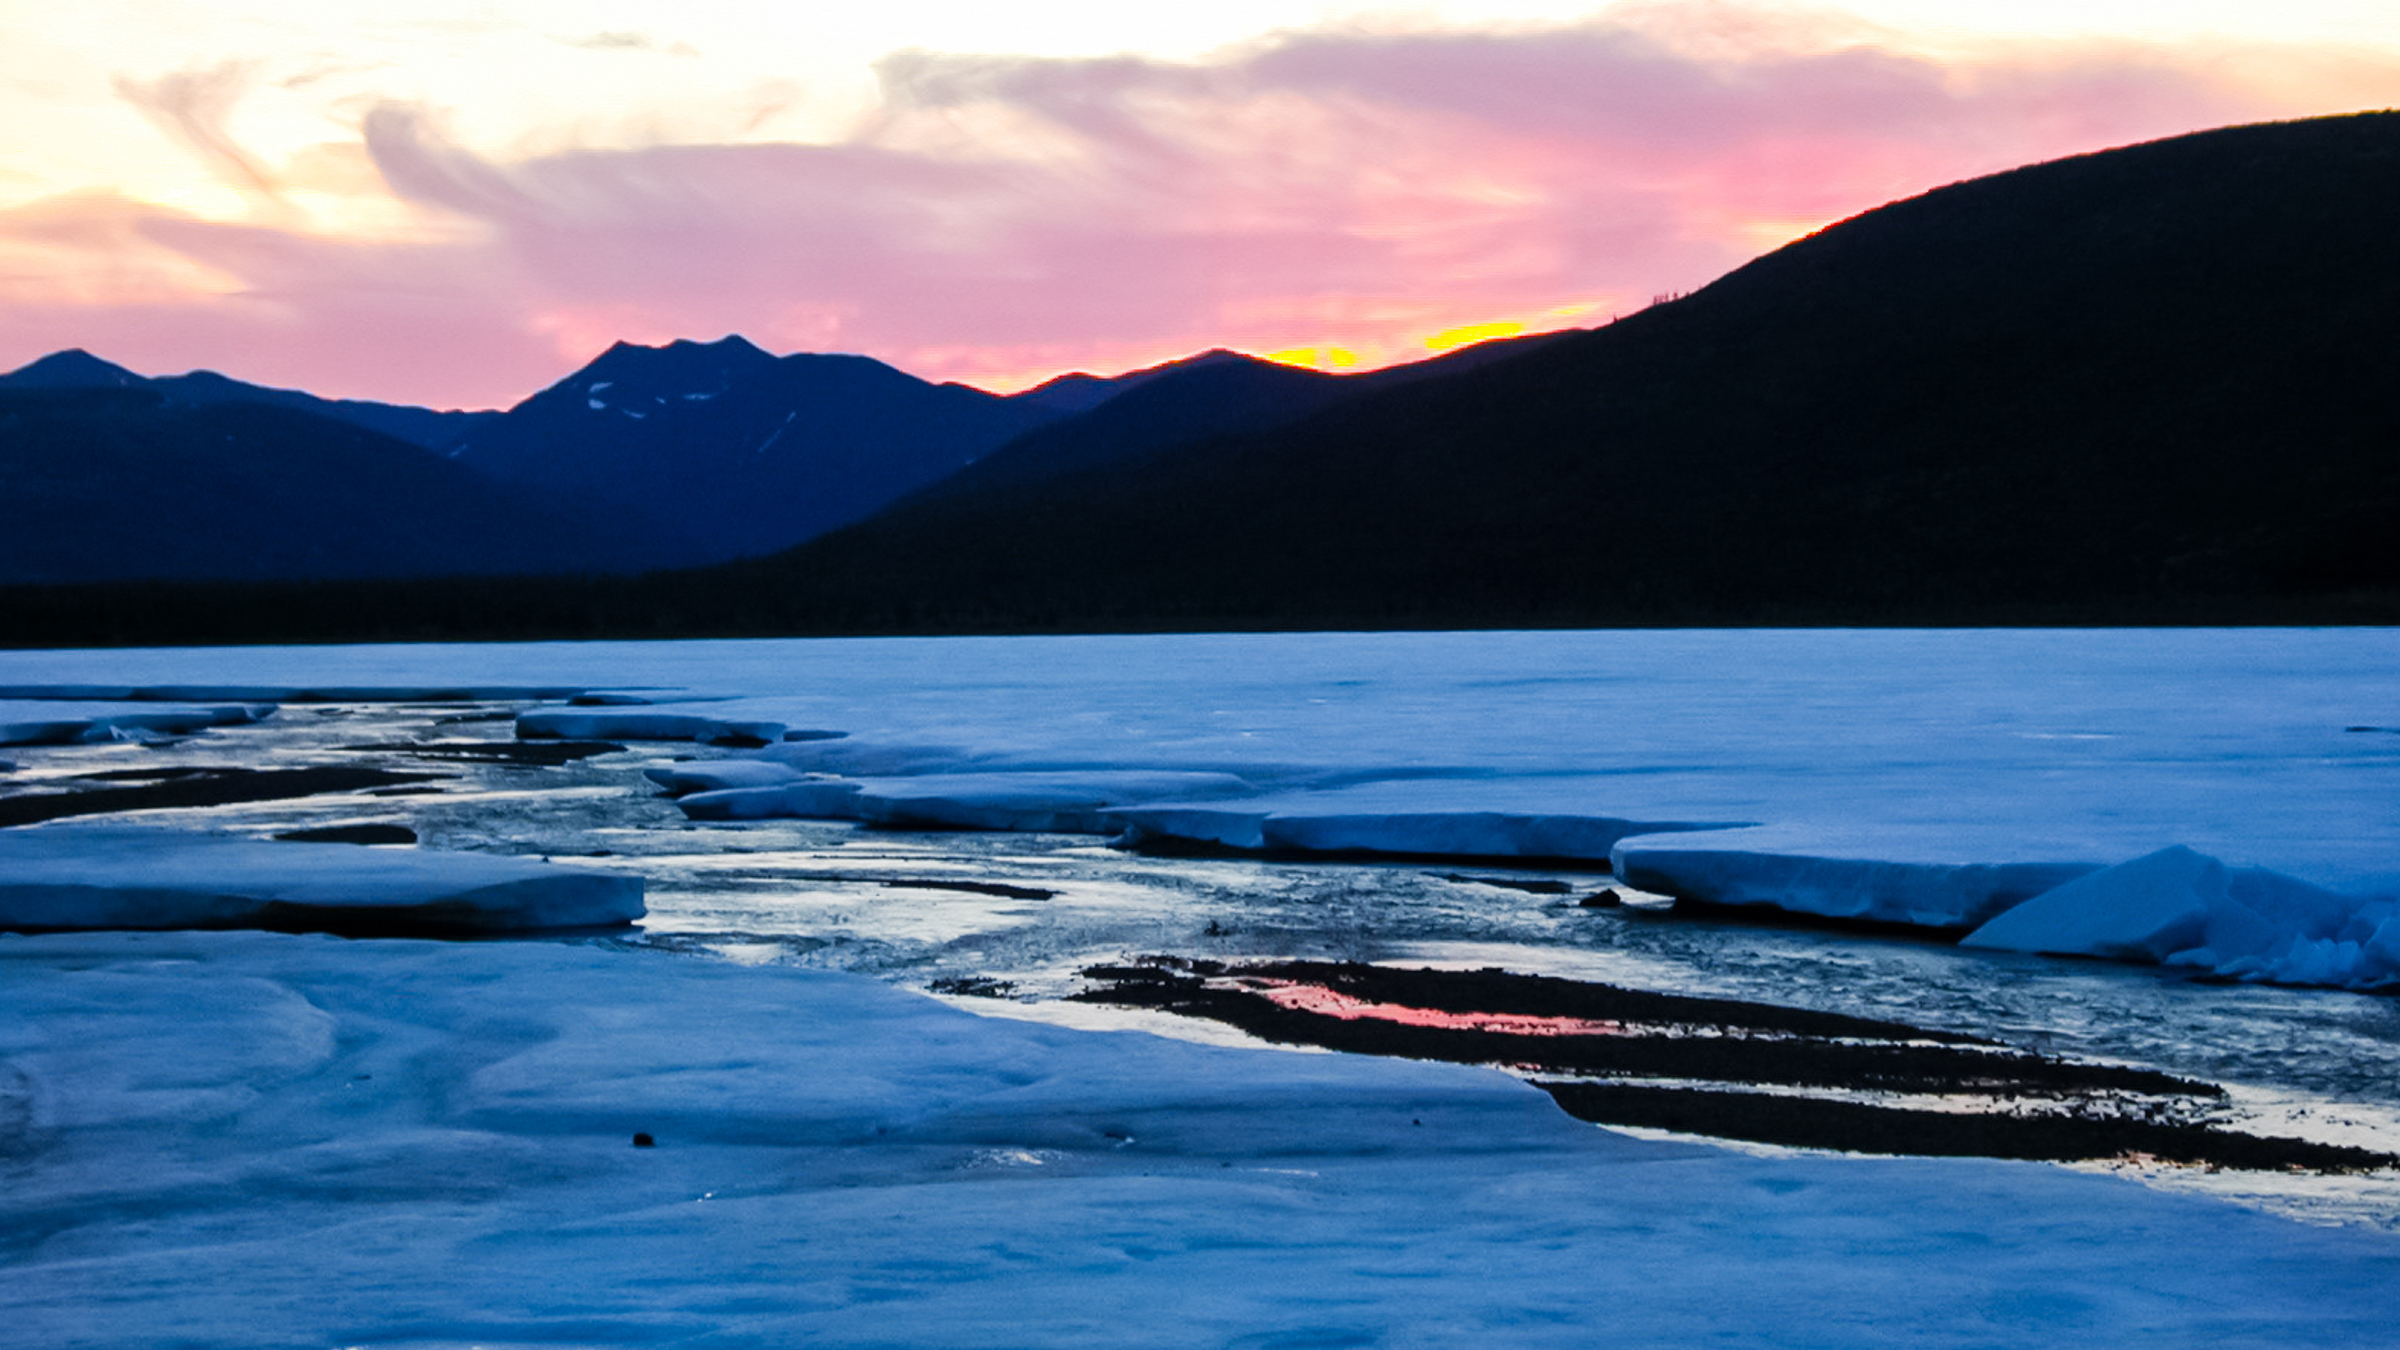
75 368
2140 385
111 482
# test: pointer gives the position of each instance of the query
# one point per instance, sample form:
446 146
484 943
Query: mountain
79 369
1137 416
1080 391
73 368
1214 394
747 451
113 481
2152 380
2148 385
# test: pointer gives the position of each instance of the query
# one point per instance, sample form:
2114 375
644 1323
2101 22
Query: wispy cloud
191 106
1001 218
617 40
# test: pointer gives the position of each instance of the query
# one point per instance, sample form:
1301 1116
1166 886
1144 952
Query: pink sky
999 219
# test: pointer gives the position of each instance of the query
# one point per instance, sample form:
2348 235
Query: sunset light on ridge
453 203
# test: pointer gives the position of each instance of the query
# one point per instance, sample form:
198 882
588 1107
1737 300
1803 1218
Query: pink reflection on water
1315 998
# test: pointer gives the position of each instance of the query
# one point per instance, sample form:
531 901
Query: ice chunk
85 877
62 722
1062 801
1489 834
713 775
646 724
288 693
871 759
750 803
1169 827
1938 878
1471 817
2183 908
1066 802
19 728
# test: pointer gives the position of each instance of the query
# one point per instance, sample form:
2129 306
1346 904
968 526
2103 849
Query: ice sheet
715 775
646 724
1034 800
2181 908
255 1140
1954 877
104 876
1563 817
1985 757
287 693
65 722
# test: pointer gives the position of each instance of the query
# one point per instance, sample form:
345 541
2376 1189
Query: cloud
191 106
622 41
1001 218
163 292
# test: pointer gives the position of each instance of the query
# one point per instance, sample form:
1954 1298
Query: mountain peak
732 344
681 366
73 368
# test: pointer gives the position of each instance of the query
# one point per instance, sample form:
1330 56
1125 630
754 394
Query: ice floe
90 877
289 693
243 1139
1558 818
2180 908
1951 878
69 722
1061 802
716 775
945 787
867 758
646 724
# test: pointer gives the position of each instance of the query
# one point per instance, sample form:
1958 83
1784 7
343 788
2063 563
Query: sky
456 202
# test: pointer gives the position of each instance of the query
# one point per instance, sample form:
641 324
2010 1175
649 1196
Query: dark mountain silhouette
2145 385
1081 391
114 481
418 426
1136 416
2140 380
73 368
79 369
1211 395
746 451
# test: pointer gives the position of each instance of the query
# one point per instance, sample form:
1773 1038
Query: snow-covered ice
2181 908
716 775
617 724
242 1139
251 1139
1917 777
113 876
253 692
63 722
1031 800
1553 817
1953 877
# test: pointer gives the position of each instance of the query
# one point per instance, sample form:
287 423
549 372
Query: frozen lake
2265 749
2092 742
